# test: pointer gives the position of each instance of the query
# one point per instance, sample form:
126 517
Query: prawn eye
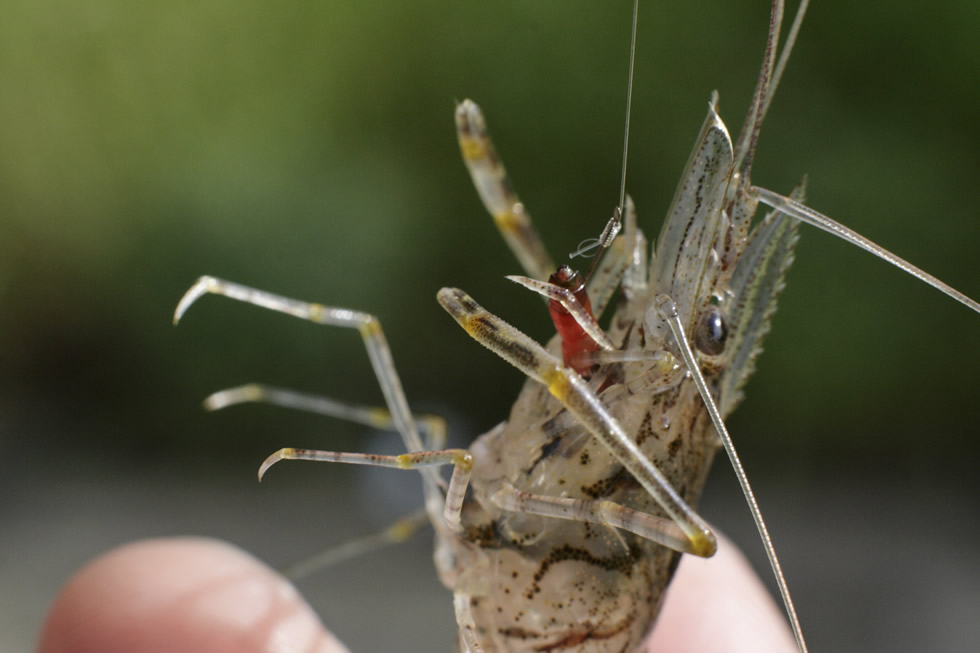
711 332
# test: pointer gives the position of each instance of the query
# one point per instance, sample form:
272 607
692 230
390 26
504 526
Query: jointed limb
460 459
432 427
374 341
570 303
569 388
497 192
367 325
395 533
464 619
657 529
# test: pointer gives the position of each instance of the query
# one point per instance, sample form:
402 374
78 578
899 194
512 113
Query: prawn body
538 583
560 529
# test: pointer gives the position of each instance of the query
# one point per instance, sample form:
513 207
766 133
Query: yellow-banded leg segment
497 193
367 325
460 459
374 340
574 393
395 533
431 427
657 529
666 375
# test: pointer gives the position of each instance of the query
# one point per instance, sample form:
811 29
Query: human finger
181 594
720 604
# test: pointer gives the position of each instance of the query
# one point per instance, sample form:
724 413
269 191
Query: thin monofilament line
629 104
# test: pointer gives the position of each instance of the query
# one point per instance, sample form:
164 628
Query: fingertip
720 604
181 594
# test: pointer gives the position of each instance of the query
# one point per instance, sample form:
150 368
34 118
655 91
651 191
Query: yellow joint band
507 221
470 325
379 417
402 530
371 327
703 545
464 460
557 381
472 148
666 363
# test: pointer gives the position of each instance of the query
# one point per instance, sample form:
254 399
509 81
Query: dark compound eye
711 332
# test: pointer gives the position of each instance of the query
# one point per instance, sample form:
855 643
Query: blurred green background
309 149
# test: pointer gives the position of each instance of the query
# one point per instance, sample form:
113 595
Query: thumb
181 594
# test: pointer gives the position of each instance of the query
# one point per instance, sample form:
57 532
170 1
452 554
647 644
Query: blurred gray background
308 148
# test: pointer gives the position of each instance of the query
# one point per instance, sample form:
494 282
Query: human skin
196 594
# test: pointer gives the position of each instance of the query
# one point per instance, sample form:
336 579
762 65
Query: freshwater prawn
561 528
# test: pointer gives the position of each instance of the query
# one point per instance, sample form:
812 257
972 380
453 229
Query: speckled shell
546 584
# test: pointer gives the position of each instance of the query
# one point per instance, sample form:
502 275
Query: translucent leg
374 341
660 530
570 303
460 459
396 533
464 620
665 375
497 193
432 427
569 388
367 325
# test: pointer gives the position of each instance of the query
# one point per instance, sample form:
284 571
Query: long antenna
668 312
629 104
